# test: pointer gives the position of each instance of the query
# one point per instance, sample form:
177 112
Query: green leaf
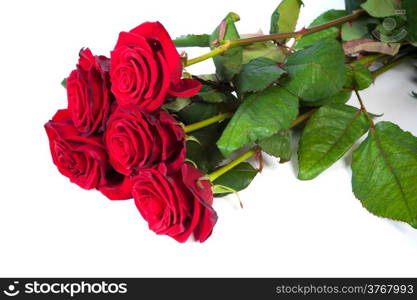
340 98
316 72
358 77
237 178
64 83
352 5
285 16
258 74
384 173
198 111
205 154
259 116
230 63
278 145
218 190
332 32
264 49
328 135
381 8
358 29
211 95
410 8
192 40
354 31
177 104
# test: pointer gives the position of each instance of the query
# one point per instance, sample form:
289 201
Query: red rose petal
132 40
203 193
186 87
118 188
155 31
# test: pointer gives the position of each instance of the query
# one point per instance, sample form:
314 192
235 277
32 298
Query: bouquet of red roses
115 137
138 126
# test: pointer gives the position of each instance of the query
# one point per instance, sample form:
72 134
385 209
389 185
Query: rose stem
207 122
219 172
370 59
302 118
228 44
364 110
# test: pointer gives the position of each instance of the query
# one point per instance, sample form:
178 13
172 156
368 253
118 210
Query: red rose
136 139
146 67
83 159
88 90
118 186
177 204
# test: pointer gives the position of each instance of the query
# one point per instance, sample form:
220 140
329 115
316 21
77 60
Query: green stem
302 118
390 65
272 37
219 50
364 109
370 59
207 122
219 172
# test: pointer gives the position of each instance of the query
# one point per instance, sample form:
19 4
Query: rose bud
88 90
84 159
136 139
176 204
146 67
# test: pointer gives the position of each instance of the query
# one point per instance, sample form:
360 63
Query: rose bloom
88 90
177 204
136 139
146 67
84 159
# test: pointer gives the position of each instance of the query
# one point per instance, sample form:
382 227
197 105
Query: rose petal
204 228
186 87
82 159
155 31
132 40
203 193
119 187
86 59
62 115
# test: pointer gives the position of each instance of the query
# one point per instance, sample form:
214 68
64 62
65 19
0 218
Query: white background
50 227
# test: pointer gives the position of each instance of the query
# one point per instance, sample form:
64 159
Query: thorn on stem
302 30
